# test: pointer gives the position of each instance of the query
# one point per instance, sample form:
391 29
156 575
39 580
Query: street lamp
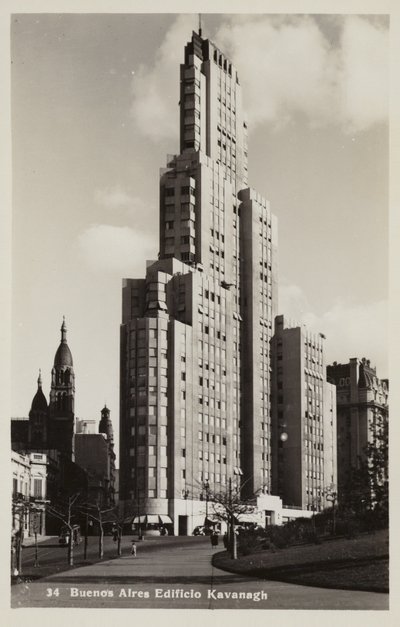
206 488
231 516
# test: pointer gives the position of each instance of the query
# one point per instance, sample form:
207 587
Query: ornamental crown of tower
105 425
63 356
39 402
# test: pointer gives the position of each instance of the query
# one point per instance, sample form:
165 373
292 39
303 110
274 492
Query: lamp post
206 488
232 533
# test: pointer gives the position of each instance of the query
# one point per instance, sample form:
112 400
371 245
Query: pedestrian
214 539
133 548
225 540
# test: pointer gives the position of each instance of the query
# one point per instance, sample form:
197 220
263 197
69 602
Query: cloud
288 65
114 198
116 249
364 74
117 199
351 331
156 89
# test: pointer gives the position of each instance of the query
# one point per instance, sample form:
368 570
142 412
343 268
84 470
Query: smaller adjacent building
32 475
303 418
362 404
85 426
94 452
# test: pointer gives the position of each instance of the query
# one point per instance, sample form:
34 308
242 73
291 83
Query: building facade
304 418
34 476
195 333
94 452
50 426
362 400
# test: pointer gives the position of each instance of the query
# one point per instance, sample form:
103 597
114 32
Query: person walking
133 548
214 539
225 540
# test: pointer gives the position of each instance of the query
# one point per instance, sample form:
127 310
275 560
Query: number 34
52 592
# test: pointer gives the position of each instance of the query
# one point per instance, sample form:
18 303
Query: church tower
62 397
38 419
106 428
105 425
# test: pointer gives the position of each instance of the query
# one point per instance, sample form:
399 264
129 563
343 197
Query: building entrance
182 525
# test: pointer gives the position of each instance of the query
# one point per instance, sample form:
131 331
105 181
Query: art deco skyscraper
195 363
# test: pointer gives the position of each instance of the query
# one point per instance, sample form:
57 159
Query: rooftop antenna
199 24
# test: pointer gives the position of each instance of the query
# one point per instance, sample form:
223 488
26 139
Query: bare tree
98 514
227 505
65 511
121 516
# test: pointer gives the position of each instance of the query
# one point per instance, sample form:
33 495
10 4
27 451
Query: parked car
202 530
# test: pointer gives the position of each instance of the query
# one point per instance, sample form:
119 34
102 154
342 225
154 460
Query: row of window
186 190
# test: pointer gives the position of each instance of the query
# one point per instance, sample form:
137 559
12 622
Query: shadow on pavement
293 573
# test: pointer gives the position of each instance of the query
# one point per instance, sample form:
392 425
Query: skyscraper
195 334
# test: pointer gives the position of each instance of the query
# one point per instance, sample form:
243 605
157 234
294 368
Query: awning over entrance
211 521
248 518
152 519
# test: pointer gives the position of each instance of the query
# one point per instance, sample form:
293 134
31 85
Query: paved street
178 574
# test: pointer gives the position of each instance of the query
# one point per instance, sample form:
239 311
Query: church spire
39 381
64 331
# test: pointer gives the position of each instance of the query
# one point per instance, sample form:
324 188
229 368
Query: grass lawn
358 564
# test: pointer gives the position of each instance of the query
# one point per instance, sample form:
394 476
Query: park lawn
352 564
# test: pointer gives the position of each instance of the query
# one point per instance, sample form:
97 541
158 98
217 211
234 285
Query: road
52 557
176 573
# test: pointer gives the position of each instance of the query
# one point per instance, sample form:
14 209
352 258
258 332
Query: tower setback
195 333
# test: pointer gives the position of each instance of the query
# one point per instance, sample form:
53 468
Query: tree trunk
101 541
233 539
70 548
119 548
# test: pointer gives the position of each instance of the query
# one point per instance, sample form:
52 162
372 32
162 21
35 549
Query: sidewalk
180 577
30 540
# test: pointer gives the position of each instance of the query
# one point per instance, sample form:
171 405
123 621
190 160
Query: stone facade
361 399
304 418
195 394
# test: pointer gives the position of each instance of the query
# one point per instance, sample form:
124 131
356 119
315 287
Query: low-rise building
362 404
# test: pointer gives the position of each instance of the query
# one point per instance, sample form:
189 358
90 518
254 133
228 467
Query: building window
37 488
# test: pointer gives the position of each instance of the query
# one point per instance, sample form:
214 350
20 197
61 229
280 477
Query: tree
331 495
366 492
121 516
101 516
355 496
227 505
65 510
377 453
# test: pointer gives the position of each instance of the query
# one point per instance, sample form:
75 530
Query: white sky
94 113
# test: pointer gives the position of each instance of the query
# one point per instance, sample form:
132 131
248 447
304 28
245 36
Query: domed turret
39 402
63 356
105 425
